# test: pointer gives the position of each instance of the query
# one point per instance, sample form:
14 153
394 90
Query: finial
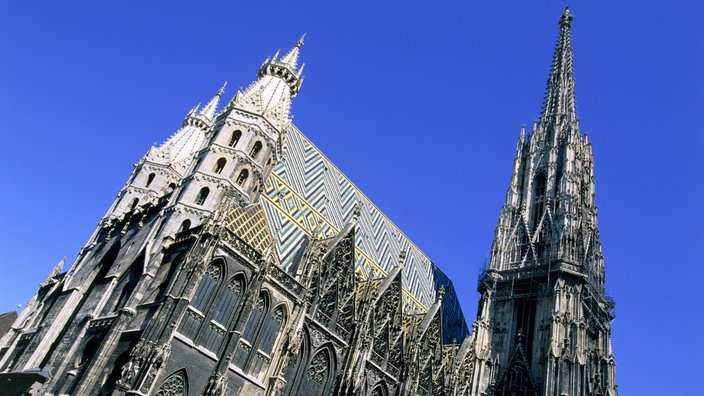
299 43
222 89
401 258
566 17
441 293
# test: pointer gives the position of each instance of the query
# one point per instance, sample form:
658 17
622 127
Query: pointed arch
271 327
242 177
202 195
296 363
229 299
256 317
174 385
380 389
255 150
540 186
317 376
150 179
234 138
185 226
207 285
219 165
134 204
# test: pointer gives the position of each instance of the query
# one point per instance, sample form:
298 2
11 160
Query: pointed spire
559 95
291 59
209 109
277 82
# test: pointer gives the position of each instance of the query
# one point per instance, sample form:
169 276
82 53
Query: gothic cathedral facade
218 270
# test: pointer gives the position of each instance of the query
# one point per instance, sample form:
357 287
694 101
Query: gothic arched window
228 301
379 390
236 135
185 226
255 149
540 185
150 179
206 286
219 165
242 178
175 385
134 204
202 195
255 318
315 379
271 328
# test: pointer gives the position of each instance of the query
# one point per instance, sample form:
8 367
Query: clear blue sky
420 103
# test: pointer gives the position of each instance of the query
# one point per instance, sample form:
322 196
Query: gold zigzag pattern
301 213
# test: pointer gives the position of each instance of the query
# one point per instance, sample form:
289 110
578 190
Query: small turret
277 82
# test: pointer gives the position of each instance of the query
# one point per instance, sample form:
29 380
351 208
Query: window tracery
174 385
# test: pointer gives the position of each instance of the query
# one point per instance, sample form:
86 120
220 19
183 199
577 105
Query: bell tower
543 325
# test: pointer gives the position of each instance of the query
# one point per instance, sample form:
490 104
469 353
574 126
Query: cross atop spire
559 95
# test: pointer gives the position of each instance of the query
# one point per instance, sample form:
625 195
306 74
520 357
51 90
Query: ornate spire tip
299 43
566 17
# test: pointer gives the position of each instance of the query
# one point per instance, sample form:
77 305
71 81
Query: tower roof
559 94
277 82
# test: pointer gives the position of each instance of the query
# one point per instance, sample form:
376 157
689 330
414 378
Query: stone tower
543 324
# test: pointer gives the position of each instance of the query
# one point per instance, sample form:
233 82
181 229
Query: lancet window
236 135
219 165
261 331
255 150
242 178
206 287
540 186
202 195
228 300
150 179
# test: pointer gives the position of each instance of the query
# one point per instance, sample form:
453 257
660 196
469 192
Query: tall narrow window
150 179
206 287
539 199
202 195
242 178
220 165
185 226
170 189
236 135
134 204
254 319
228 301
255 149
271 329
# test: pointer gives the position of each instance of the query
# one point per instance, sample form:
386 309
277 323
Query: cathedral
238 260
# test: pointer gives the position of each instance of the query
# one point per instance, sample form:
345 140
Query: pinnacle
559 94
291 58
209 109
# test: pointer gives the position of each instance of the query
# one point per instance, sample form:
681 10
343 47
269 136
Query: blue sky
419 103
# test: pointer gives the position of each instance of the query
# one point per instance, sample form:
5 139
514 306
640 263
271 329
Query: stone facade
216 272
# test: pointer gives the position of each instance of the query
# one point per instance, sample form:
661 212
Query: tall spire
559 95
209 109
